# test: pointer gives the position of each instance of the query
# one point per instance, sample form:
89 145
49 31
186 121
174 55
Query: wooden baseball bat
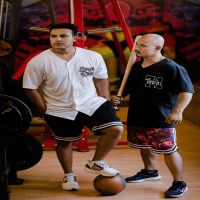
129 66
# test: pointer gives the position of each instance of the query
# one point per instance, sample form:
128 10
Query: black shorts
71 130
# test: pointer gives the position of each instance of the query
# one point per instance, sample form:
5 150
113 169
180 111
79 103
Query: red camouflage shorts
158 140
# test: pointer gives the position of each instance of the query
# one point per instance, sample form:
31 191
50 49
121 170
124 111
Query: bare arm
36 100
103 87
176 116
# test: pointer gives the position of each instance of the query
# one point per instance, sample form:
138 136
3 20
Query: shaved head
153 39
149 47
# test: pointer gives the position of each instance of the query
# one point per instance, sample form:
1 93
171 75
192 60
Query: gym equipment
89 32
78 20
24 53
15 89
10 119
5 46
28 152
76 17
18 151
22 153
109 185
38 29
80 35
103 30
12 131
4 76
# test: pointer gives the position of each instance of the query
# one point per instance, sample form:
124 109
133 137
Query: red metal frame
124 28
115 38
78 20
17 74
22 68
123 23
49 140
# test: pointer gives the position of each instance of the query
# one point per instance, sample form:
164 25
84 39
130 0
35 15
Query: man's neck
65 51
147 61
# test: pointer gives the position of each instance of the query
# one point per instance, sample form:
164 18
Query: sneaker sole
180 195
98 172
146 179
70 189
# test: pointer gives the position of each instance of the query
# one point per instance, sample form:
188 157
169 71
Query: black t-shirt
154 92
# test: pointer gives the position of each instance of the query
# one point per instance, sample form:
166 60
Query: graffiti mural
178 21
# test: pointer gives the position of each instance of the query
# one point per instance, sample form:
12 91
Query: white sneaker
100 167
69 182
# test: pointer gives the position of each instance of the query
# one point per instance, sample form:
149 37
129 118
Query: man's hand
116 100
42 110
36 99
174 118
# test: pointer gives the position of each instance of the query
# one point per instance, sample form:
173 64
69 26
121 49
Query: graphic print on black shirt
154 92
153 80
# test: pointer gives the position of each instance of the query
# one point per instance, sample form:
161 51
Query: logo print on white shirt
86 71
153 80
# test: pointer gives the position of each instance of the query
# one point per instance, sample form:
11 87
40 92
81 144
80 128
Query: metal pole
13 32
5 21
4 189
1 13
78 20
71 12
52 11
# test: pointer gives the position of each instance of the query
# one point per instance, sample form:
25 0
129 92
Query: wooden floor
43 181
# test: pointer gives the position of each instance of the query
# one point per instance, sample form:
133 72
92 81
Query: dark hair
73 27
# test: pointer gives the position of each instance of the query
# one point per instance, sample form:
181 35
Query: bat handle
116 107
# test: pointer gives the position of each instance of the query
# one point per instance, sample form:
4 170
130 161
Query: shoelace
102 164
70 176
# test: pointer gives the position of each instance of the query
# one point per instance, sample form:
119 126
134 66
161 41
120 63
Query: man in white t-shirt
65 75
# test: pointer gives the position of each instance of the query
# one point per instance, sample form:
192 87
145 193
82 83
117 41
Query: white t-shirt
67 86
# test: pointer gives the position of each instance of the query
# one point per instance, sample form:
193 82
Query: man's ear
158 48
74 38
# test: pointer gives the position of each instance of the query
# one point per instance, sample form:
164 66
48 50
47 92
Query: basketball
109 185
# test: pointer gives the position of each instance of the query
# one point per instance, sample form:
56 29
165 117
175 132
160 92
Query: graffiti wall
178 21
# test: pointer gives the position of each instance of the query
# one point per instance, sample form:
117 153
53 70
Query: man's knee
115 131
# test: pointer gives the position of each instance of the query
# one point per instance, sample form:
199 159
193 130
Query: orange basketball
109 185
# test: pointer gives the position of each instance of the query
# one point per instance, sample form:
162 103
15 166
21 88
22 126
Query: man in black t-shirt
159 89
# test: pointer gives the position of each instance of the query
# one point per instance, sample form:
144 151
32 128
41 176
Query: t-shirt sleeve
33 76
182 82
101 69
